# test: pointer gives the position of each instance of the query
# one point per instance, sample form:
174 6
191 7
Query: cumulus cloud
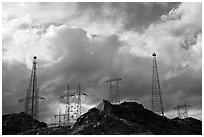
59 34
171 37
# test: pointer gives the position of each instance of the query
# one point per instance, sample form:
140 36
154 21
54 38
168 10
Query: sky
125 36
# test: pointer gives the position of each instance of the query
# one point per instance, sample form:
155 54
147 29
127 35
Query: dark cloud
91 65
141 15
137 15
184 87
24 26
14 84
84 62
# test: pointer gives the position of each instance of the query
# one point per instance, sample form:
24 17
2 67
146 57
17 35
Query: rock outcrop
13 124
48 131
130 118
127 118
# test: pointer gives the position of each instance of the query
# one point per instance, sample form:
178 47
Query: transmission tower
157 105
68 106
32 96
74 107
59 116
182 111
114 93
60 123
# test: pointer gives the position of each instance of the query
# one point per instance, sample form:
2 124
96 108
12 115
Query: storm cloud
126 34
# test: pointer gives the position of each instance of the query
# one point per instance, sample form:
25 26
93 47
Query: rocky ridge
13 124
122 119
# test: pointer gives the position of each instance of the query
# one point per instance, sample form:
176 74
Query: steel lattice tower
157 105
59 115
182 111
78 102
31 105
78 95
114 93
69 107
67 104
32 95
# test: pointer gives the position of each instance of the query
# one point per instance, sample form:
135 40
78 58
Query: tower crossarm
117 79
21 100
41 98
184 105
82 94
64 96
107 81
60 115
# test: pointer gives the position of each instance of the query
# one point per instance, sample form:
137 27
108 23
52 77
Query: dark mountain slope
129 118
108 119
13 124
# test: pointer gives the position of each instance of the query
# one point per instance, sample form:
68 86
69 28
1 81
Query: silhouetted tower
78 95
182 111
114 93
32 96
67 105
157 105
69 108
186 110
59 116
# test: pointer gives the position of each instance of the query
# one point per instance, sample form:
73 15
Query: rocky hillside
48 131
124 119
131 118
13 124
194 124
